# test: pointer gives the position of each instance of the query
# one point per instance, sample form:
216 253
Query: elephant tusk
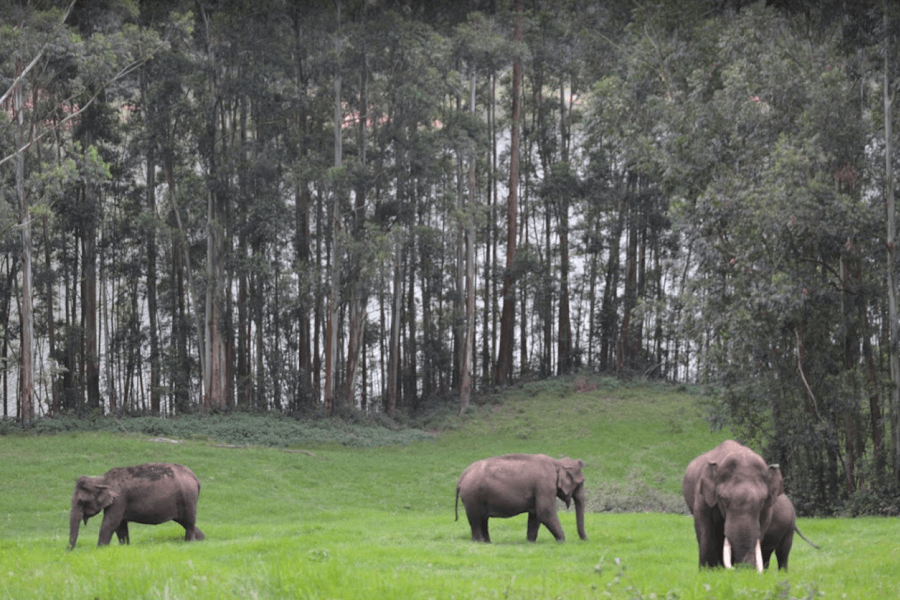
759 558
726 554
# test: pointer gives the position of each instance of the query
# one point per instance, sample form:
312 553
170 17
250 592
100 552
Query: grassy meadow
331 520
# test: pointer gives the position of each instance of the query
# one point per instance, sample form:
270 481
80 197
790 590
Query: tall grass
327 520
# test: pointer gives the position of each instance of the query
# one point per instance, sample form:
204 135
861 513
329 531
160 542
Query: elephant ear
98 494
776 482
568 478
708 484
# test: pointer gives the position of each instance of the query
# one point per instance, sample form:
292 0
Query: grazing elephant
505 486
150 494
731 491
779 537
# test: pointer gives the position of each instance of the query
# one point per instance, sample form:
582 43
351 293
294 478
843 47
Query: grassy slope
341 522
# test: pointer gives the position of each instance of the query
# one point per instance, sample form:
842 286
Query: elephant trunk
579 511
75 517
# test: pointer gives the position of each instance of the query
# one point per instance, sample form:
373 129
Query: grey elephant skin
741 514
779 537
505 486
150 494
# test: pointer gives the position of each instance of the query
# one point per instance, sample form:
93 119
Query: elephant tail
804 538
456 506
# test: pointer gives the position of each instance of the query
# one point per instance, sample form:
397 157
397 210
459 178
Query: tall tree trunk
334 294
152 300
468 344
359 287
89 307
890 204
305 392
26 355
215 386
216 392
504 370
610 306
565 359
393 370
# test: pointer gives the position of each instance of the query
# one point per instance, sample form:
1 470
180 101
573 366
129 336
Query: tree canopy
374 205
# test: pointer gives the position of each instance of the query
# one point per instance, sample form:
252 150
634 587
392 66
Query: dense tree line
369 204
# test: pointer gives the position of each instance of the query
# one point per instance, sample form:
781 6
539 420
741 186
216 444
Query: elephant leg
533 526
710 542
551 522
122 533
784 550
191 531
110 525
485 534
478 526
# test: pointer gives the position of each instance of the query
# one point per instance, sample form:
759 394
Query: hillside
329 520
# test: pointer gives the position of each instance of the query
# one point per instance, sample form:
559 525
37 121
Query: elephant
505 486
732 494
779 537
150 494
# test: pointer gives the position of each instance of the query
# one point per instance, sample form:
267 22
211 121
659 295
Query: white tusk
759 560
726 554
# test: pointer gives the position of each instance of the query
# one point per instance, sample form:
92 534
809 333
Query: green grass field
332 521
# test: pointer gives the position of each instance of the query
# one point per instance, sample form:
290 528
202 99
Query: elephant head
570 486
91 496
743 489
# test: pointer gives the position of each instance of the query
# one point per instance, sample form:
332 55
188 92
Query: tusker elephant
779 537
151 494
505 486
731 492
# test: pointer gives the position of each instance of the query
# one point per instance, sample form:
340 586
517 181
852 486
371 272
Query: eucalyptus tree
503 372
764 172
482 51
67 74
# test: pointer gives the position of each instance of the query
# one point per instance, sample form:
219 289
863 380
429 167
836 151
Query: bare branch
123 73
34 60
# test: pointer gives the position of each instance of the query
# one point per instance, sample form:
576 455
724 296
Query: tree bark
890 205
26 357
504 370
334 295
468 345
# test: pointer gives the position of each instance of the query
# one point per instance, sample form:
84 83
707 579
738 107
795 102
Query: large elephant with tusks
731 492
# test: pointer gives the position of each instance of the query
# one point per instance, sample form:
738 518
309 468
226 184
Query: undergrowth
238 428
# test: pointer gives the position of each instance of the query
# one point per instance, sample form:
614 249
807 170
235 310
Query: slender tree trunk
216 392
55 390
565 359
334 295
468 345
152 300
890 204
26 356
504 370
305 392
393 371
89 308
411 369
359 296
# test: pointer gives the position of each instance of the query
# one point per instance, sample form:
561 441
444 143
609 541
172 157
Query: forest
369 206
